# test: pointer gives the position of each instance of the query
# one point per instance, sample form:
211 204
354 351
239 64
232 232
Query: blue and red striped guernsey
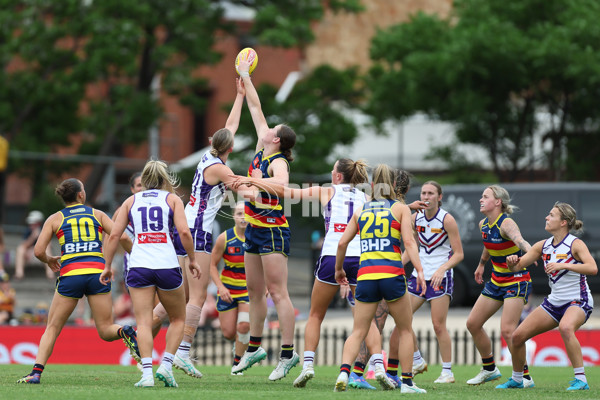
80 239
266 211
500 248
381 255
233 275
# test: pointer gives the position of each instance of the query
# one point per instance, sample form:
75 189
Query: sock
517 376
167 361
447 368
579 374
120 332
37 369
184 350
192 319
254 343
407 378
287 351
345 368
359 369
417 357
236 360
526 372
309 359
392 367
488 363
147 367
378 361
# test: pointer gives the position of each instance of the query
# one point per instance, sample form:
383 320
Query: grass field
65 382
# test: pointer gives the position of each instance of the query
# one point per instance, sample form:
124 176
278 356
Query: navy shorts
265 241
163 279
519 290
557 312
224 306
446 288
202 242
76 286
325 269
388 289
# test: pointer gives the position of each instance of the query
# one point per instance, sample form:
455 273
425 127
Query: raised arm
260 123
233 121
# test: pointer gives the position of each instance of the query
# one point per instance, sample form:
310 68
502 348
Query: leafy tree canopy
494 69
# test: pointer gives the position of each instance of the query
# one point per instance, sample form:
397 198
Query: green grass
66 382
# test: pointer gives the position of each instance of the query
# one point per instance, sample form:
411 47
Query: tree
501 72
52 52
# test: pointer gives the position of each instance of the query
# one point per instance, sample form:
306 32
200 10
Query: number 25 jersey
381 256
152 220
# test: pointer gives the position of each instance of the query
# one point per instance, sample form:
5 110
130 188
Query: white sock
309 359
517 376
447 368
184 350
378 360
417 357
147 367
580 374
167 361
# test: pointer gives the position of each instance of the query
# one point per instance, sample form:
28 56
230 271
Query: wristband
245 74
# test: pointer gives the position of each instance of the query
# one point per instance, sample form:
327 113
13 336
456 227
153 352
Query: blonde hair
221 141
568 213
353 172
502 194
156 175
384 181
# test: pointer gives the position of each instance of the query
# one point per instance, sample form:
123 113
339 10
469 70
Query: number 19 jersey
152 220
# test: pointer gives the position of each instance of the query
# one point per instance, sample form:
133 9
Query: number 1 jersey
152 220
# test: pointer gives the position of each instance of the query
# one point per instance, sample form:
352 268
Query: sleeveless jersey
266 211
80 238
499 248
337 214
565 286
205 199
434 249
152 220
381 256
233 275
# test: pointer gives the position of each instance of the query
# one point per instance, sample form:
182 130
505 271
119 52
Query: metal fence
211 348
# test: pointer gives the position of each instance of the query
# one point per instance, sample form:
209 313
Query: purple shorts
557 312
163 279
202 242
325 269
446 288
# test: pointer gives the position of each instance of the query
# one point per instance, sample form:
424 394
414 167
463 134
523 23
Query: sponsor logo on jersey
234 249
561 256
339 227
420 228
271 220
150 194
436 230
152 237
77 210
